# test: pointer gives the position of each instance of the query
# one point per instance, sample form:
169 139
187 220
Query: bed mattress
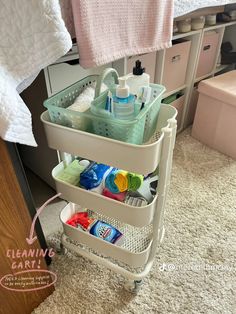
185 6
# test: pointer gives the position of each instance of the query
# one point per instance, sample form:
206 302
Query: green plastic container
58 103
134 131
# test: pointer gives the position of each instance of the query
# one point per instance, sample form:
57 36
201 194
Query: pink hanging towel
107 30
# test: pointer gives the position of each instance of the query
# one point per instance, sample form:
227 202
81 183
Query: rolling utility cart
142 226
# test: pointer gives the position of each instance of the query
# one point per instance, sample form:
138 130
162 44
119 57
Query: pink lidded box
215 119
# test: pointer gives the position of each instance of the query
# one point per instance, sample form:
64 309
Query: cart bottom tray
135 249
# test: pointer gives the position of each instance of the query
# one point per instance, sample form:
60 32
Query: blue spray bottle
123 102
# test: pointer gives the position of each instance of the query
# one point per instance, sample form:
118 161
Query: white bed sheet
185 6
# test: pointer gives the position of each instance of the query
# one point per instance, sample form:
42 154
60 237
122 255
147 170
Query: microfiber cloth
134 181
121 180
108 30
83 102
118 196
110 181
93 175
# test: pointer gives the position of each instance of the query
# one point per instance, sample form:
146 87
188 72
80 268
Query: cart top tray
136 158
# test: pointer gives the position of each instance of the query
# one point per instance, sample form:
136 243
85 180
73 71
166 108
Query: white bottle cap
122 90
84 163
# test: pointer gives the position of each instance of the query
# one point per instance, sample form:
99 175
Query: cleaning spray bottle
97 228
123 102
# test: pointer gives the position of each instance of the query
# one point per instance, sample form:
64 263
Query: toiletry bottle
123 101
105 231
138 79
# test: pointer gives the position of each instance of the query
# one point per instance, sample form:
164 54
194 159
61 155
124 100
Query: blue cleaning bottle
123 102
105 231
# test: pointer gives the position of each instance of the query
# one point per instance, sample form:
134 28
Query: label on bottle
105 231
123 108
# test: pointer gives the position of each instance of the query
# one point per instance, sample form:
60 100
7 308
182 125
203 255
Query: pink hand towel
107 30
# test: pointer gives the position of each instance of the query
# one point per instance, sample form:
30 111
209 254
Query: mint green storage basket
57 104
104 124
101 122
135 131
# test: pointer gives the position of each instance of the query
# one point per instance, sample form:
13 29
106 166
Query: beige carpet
200 233
41 192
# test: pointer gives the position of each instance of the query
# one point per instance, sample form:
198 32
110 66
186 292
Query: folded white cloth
83 101
32 36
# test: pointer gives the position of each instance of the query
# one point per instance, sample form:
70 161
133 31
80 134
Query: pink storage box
215 119
175 65
208 53
179 105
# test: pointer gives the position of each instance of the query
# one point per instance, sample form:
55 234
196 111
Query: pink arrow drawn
30 240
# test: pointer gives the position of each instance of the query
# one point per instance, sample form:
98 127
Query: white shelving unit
174 91
142 226
196 38
221 67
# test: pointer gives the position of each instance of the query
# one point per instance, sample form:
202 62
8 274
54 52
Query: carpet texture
195 270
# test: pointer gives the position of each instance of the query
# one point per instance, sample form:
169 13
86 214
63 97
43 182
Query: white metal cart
142 226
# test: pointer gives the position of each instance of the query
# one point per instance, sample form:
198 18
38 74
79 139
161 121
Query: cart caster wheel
133 285
62 250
